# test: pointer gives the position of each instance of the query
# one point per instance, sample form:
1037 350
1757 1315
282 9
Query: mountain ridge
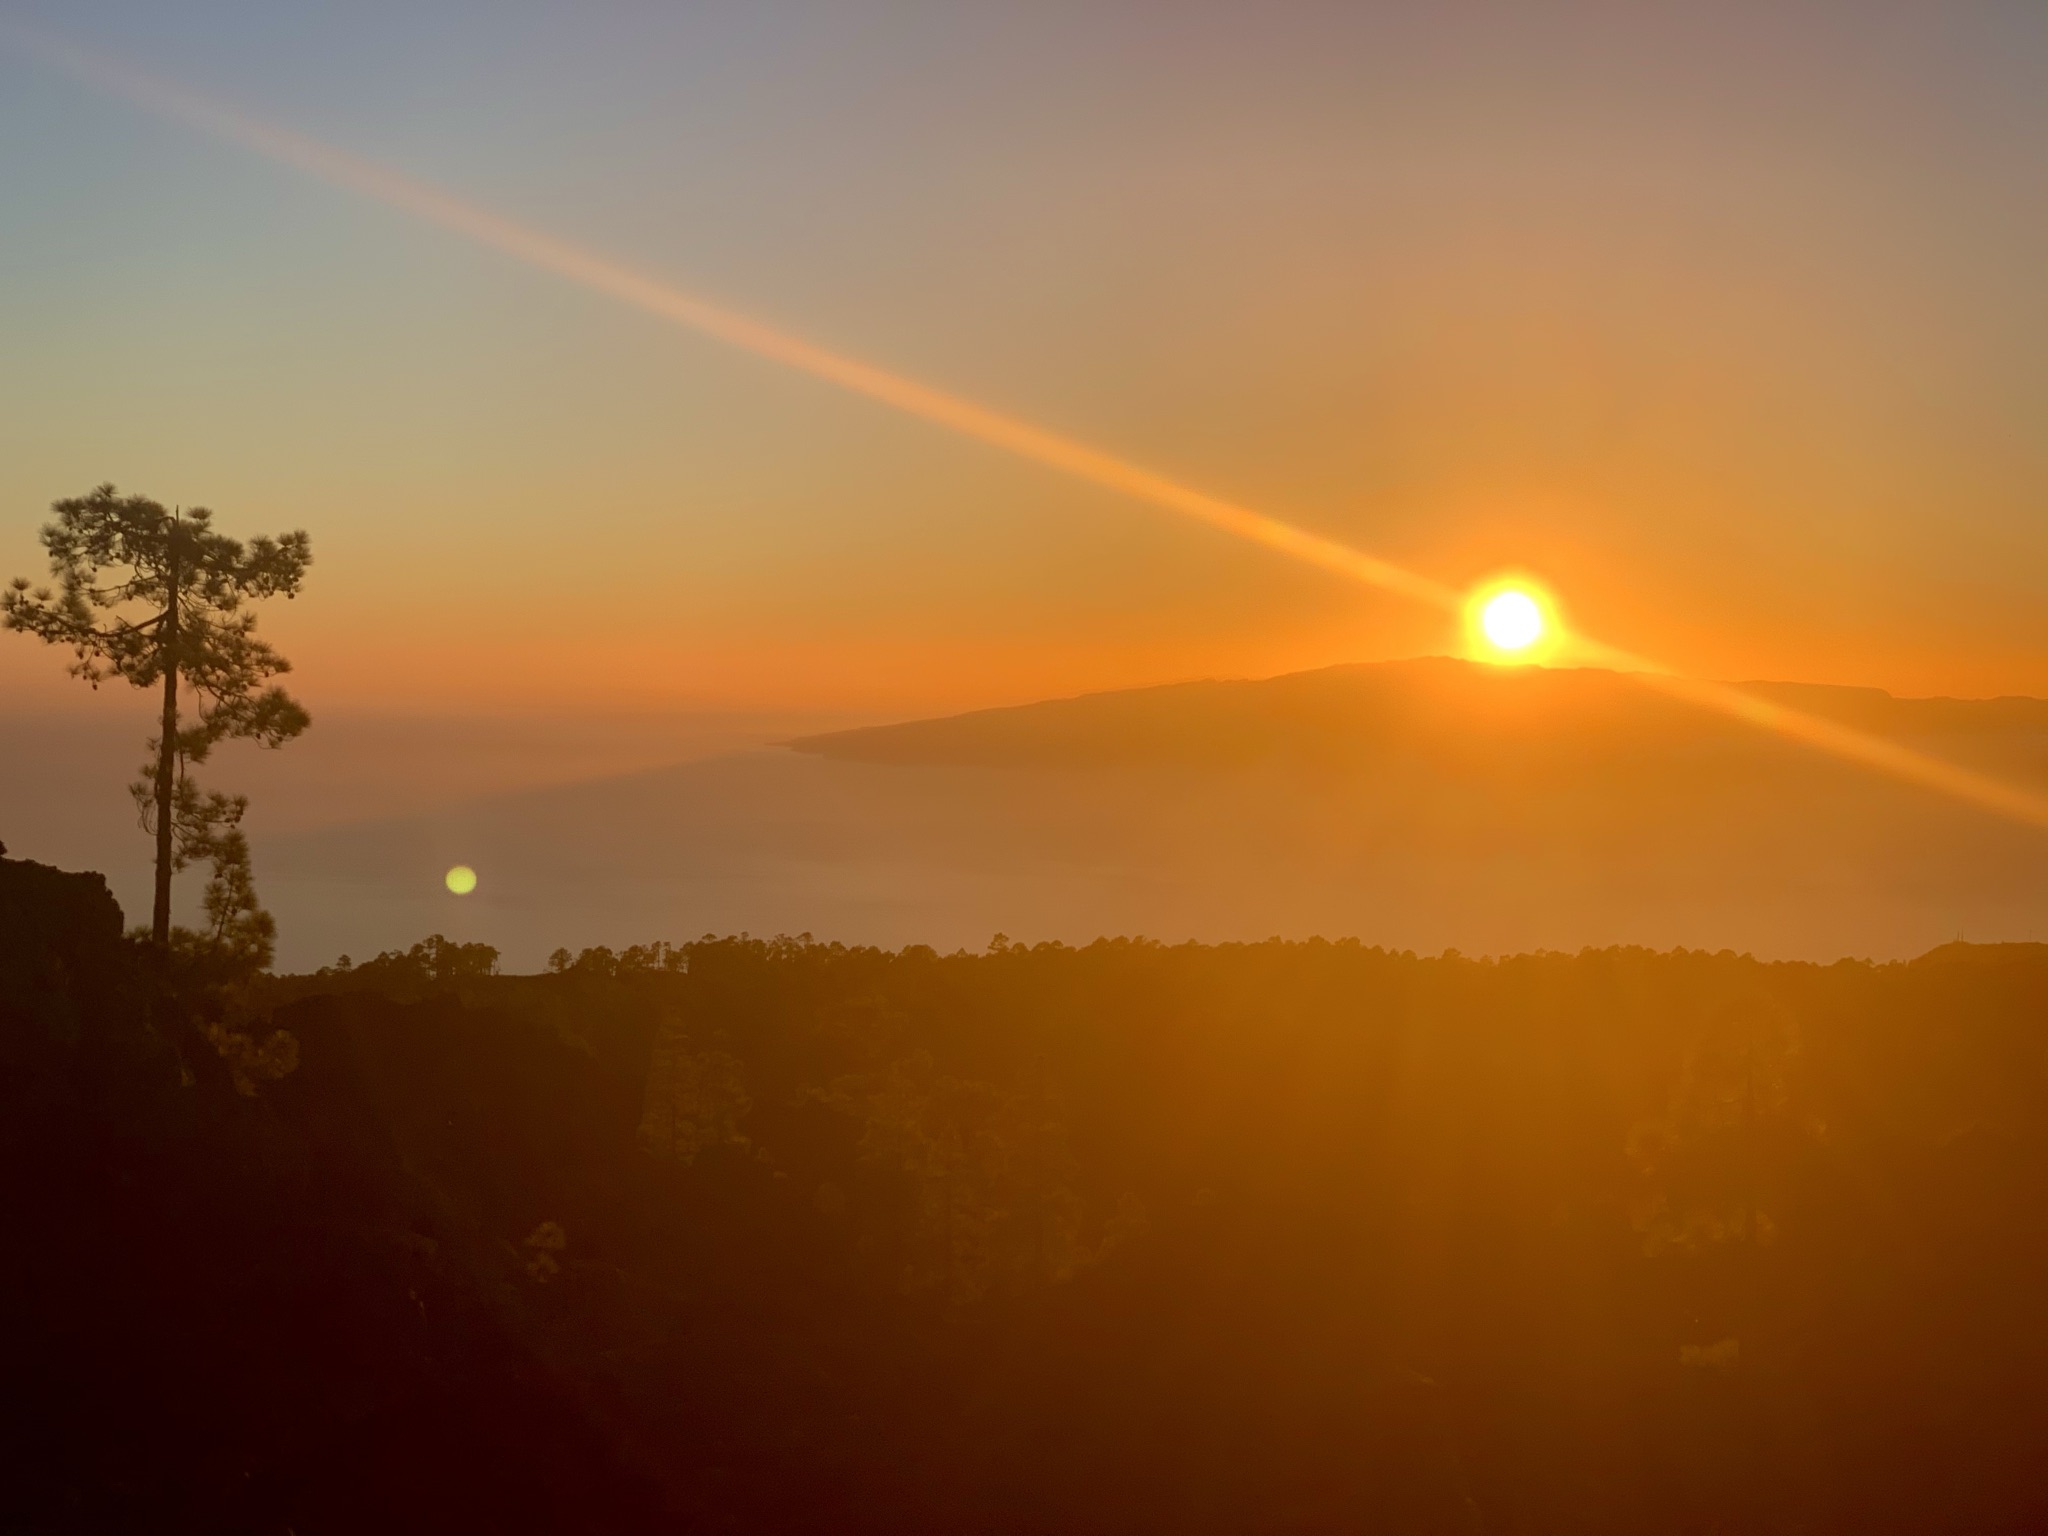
1432 706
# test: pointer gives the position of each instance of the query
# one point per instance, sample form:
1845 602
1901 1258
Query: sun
461 880
1511 621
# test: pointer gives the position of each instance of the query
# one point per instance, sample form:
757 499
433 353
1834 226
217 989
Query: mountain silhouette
1449 714
1424 804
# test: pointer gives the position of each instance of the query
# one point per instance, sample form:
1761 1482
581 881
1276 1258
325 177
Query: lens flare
600 274
461 879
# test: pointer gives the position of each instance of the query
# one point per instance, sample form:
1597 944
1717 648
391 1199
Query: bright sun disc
1513 620
462 879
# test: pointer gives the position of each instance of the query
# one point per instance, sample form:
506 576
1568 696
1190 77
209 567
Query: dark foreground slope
763 1237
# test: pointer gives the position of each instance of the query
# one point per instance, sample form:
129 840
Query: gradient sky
1727 319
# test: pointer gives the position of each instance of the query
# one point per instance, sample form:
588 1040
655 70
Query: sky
1726 320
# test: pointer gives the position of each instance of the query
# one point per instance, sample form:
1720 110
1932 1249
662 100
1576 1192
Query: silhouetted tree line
756 1235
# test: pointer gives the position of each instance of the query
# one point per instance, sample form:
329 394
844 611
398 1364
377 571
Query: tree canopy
155 597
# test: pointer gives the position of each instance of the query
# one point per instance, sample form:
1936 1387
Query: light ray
593 271
1108 471
1830 736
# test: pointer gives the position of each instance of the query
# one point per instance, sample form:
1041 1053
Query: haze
1038 767
1728 322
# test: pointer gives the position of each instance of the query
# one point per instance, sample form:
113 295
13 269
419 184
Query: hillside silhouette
758 1235
1430 804
1509 722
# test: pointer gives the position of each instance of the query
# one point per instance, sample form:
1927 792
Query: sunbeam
1079 460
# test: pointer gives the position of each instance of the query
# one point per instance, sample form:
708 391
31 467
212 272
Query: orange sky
1731 328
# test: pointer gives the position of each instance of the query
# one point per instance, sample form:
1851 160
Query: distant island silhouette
1435 707
1427 804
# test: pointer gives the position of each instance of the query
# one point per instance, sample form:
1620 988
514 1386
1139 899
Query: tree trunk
167 755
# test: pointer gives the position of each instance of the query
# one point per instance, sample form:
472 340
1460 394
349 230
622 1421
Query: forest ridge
772 1234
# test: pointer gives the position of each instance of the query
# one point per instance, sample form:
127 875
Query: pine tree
154 597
